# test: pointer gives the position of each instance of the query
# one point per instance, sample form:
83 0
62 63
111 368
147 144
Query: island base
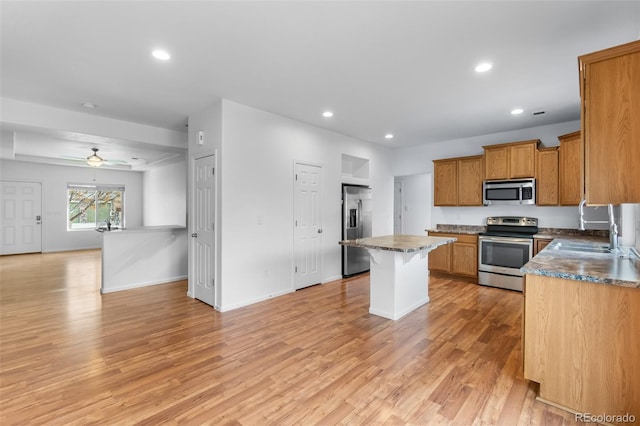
399 283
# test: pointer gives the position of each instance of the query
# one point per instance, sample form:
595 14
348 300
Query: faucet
613 226
613 231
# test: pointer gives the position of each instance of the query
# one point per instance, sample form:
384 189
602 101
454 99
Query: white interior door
21 217
307 225
203 230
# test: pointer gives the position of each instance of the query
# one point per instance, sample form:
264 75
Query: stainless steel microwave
516 191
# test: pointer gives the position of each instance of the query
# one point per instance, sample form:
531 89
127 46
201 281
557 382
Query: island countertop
603 268
400 243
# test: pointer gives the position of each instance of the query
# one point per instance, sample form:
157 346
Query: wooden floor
155 356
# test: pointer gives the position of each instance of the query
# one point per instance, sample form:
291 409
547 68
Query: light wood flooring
71 356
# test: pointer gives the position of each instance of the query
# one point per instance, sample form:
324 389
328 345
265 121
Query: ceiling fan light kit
94 160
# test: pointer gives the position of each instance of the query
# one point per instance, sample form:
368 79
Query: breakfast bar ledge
399 280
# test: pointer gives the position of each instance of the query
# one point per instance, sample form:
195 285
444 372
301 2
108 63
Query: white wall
256 159
54 179
416 203
419 159
165 195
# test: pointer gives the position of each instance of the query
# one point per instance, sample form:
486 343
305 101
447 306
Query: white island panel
399 283
141 257
399 278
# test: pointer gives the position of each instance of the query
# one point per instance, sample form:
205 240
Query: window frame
96 188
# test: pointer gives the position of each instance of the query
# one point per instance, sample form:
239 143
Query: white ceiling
384 66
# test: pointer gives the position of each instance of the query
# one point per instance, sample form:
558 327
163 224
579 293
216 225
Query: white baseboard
329 279
143 284
225 308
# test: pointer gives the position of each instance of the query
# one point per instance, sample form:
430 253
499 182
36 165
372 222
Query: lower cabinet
459 258
539 244
581 344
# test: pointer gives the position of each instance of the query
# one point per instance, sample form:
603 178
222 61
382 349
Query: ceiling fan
95 160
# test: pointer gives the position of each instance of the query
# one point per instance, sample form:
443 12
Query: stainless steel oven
503 249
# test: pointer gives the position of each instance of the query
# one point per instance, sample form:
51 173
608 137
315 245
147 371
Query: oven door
504 255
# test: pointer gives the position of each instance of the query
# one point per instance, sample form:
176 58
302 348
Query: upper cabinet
458 181
510 161
610 92
547 177
470 177
570 169
445 182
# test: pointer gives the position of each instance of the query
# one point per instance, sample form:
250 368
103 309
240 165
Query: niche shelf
355 167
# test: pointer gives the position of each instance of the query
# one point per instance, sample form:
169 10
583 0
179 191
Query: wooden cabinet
445 182
470 177
496 162
539 244
610 89
570 173
458 181
580 343
440 258
547 177
510 161
458 258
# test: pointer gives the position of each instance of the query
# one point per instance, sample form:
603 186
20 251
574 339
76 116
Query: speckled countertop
458 229
546 233
399 243
603 268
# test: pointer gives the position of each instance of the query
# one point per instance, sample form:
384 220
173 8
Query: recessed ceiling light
388 136
483 67
327 114
88 105
517 111
161 54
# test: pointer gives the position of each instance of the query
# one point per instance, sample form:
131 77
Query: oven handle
506 239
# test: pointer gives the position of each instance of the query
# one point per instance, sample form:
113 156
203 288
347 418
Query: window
91 206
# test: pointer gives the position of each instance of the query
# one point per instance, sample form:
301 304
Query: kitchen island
399 280
143 256
582 328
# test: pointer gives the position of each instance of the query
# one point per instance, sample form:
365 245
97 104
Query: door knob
319 230
194 235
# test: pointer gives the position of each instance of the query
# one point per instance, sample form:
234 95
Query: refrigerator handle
359 218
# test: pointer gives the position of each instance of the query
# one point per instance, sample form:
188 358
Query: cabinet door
570 170
464 259
540 244
611 124
440 259
496 163
547 177
445 183
522 160
470 176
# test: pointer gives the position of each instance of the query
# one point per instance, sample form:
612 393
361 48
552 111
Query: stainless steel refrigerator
356 223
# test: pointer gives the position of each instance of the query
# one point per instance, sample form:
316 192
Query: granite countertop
589 234
458 229
546 233
399 243
603 268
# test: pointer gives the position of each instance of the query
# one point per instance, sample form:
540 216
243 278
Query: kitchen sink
582 247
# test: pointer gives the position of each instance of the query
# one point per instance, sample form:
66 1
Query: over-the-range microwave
514 191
